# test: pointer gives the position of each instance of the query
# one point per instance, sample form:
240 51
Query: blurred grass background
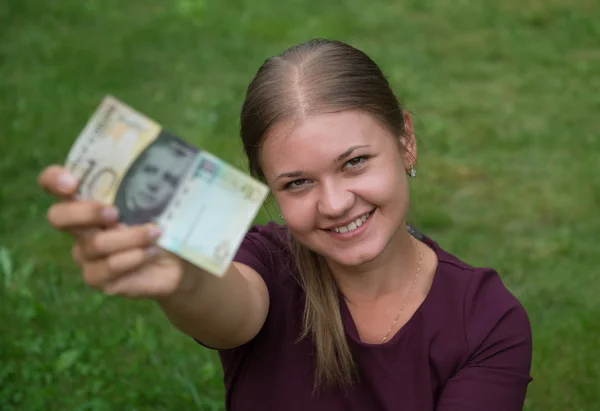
505 94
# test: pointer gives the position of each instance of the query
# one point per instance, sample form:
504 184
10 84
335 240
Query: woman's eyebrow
291 174
348 152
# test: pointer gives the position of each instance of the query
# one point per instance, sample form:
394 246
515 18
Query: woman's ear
409 142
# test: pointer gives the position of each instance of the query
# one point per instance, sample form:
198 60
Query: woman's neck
391 271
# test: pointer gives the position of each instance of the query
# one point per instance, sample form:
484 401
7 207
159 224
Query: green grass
505 98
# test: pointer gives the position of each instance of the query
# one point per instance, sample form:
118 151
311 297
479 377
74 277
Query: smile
353 225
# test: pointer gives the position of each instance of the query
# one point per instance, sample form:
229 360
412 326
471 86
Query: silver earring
280 216
413 172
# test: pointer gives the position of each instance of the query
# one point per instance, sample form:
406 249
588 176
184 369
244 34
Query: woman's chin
348 258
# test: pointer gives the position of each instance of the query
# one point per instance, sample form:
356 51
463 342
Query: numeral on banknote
96 182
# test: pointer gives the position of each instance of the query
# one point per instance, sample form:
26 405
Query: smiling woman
343 307
379 320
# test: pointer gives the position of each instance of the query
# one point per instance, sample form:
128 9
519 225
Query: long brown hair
318 76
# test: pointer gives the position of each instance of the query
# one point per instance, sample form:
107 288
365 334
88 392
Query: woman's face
340 182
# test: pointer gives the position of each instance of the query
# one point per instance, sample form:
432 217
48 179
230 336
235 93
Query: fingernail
110 213
66 181
152 250
154 232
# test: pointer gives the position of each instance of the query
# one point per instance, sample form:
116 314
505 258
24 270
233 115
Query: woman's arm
219 312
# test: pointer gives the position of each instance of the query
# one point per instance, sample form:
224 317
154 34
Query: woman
341 308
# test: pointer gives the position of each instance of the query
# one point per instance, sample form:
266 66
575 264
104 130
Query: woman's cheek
377 187
297 211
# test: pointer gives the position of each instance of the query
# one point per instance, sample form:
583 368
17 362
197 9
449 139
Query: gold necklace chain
409 291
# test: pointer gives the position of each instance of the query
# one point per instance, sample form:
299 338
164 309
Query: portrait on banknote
153 178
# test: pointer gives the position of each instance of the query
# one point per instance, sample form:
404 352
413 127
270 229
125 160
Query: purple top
467 347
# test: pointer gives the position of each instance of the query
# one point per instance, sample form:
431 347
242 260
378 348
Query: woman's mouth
352 229
353 225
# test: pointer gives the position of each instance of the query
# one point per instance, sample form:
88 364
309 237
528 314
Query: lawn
505 95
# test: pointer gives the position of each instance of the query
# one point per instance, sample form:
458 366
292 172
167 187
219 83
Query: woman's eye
356 161
296 183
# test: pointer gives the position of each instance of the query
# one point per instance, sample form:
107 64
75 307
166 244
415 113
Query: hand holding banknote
143 203
116 259
202 205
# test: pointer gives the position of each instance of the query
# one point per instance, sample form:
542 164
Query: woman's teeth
353 225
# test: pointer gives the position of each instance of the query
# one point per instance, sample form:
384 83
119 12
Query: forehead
319 138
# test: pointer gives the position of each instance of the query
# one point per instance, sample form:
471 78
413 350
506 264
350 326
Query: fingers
139 284
57 181
108 252
106 243
99 273
74 215
110 256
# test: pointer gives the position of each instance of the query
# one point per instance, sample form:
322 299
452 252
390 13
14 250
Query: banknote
203 205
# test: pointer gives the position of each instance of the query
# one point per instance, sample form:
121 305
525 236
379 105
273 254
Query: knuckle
149 234
90 277
142 235
94 244
139 256
133 259
54 216
113 263
85 213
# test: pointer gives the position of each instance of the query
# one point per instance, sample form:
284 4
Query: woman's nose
334 201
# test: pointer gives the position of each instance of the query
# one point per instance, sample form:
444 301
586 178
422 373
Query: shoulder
476 286
481 303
